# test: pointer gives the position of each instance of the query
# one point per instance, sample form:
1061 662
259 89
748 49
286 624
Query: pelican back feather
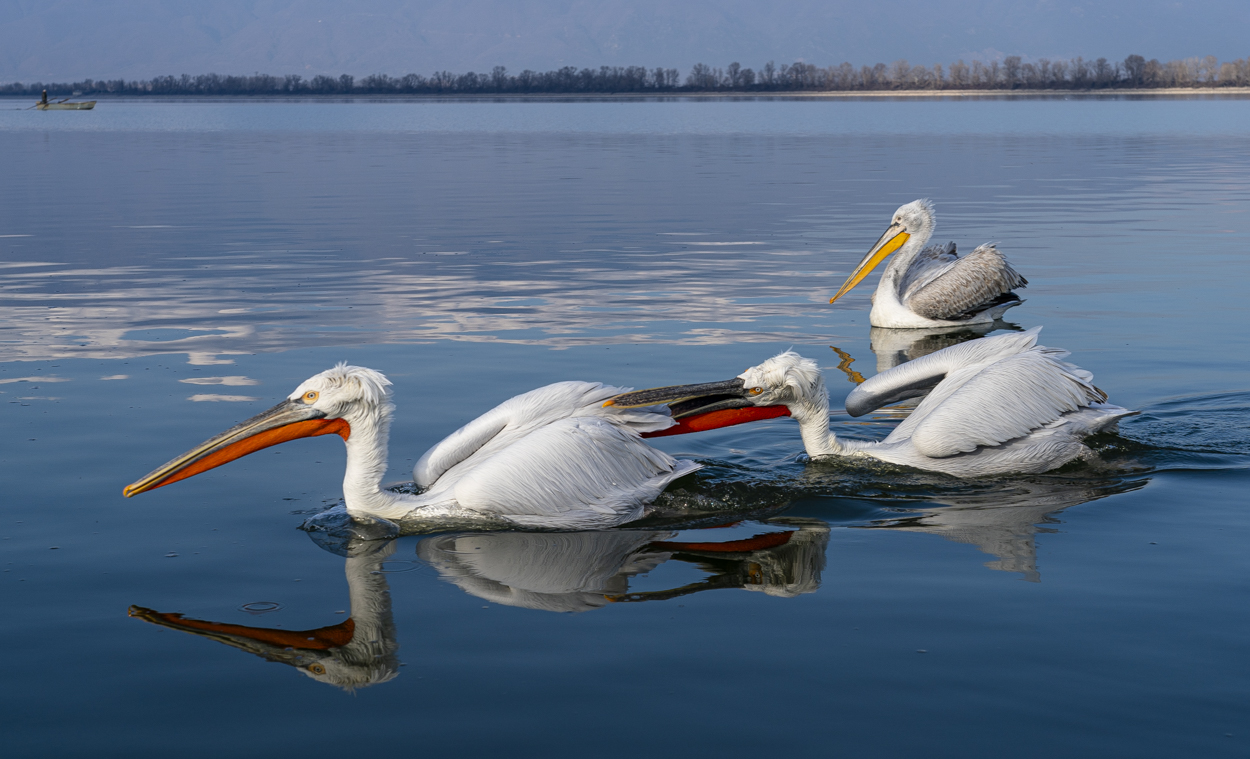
963 287
1008 399
917 378
522 414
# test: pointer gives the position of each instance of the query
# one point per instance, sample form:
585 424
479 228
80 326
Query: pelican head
915 219
783 380
330 402
344 391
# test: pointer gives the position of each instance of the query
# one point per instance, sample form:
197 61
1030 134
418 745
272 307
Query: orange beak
286 421
701 407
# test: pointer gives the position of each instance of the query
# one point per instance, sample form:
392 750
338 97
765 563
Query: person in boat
44 100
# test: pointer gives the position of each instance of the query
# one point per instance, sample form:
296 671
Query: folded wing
1007 399
964 286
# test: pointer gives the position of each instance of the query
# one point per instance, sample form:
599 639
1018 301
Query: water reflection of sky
209 244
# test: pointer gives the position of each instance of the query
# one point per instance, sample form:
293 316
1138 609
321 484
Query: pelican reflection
358 652
580 571
1004 524
562 572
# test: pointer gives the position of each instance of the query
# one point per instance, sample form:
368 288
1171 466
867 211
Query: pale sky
57 40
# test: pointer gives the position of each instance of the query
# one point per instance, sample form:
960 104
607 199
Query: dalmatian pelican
926 287
554 458
992 406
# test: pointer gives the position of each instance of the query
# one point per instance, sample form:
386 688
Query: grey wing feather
930 262
964 286
1007 399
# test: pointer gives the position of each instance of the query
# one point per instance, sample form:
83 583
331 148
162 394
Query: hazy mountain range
72 39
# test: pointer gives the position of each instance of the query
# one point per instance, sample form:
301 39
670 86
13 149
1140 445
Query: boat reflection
563 572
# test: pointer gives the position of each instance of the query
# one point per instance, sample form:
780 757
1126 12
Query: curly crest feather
354 383
787 376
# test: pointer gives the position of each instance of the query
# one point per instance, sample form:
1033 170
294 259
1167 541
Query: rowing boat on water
85 106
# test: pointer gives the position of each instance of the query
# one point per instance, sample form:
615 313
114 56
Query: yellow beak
891 241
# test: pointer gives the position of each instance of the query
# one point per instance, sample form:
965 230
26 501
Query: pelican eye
310 396
316 669
756 390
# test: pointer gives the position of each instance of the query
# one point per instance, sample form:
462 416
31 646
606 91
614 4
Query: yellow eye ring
316 669
310 396
756 390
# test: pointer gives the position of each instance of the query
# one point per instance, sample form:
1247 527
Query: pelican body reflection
560 572
1004 521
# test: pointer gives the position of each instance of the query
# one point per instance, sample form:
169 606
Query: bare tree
1134 66
898 73
959 75
1011 72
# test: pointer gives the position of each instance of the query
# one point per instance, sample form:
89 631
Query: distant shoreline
788 95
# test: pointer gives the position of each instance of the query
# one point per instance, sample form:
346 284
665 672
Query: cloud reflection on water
250 303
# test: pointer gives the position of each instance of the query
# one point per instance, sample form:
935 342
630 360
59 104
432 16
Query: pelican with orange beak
559 457
926 287
992 406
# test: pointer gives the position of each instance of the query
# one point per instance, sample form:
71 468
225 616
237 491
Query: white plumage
552 457
995 405
555 457
926 287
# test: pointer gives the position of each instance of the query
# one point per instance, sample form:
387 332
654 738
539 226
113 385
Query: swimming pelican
930 286
995 405
555 457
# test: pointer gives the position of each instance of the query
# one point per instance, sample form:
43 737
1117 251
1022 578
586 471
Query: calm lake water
170 268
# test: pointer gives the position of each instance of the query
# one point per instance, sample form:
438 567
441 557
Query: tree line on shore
1012 73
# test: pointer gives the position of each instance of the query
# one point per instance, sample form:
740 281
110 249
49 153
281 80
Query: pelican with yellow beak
925 287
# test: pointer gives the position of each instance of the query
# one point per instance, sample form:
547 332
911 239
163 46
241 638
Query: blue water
170 268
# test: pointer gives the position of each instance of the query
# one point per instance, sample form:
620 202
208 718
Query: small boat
63 104
84 106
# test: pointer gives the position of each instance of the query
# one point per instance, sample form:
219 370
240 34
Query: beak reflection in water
703 406
558 572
